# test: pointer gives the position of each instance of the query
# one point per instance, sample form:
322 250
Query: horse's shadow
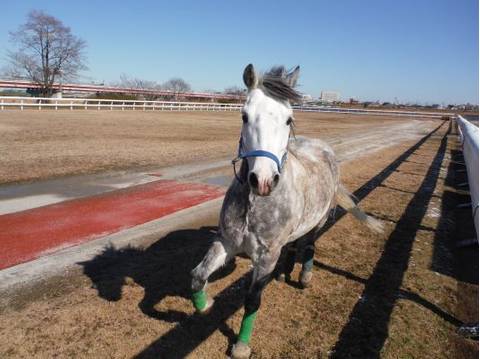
162 269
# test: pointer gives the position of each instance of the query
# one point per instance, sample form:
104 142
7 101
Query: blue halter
257 153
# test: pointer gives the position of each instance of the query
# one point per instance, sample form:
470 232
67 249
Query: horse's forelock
275 84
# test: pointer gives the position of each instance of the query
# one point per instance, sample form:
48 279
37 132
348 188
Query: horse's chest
257 221
268 220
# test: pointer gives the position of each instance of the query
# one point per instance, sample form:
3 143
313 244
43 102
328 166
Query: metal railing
40 103
469 139
92 88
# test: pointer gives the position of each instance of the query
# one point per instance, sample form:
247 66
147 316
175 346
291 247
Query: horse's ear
250 78
292 77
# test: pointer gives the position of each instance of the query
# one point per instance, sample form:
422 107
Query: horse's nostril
252 178
276 178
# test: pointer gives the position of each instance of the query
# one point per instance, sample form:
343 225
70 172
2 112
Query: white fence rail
360 111
40 103
469 139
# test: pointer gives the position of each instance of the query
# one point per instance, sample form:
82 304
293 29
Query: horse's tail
344 200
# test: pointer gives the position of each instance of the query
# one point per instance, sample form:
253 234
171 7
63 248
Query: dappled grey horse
284 189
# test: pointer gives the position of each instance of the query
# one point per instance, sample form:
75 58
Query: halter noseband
257 153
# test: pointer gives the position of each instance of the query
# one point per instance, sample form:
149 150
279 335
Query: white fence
469 139
39 103
360 111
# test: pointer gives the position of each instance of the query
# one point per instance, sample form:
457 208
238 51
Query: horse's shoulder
312 148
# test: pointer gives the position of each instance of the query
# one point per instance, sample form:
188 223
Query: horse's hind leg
217 255
307 265
261 277
309 253
288 264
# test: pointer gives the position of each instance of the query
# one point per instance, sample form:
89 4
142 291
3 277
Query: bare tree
177 85
136 83
46 51
234 90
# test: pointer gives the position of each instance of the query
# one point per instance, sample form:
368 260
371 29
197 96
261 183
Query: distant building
330 96
306 98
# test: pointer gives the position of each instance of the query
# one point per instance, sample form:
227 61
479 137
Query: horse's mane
275 84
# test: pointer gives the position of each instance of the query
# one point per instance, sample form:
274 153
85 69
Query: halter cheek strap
257 153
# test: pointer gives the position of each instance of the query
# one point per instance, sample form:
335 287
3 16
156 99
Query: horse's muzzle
263 186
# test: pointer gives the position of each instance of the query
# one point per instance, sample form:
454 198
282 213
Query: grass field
44 144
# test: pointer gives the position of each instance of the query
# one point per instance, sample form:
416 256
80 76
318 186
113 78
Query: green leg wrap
247 327
199 300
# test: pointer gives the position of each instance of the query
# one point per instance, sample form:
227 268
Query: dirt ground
45 144
401 294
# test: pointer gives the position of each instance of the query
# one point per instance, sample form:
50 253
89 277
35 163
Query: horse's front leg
262 273
218 254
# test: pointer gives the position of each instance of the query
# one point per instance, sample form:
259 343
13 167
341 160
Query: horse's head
267 119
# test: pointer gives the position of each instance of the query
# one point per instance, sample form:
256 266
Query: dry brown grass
44 144
365 286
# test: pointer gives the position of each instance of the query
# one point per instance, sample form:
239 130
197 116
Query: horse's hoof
207 308
306 279
241 351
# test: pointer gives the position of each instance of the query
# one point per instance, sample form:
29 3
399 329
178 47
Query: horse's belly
319 185
307 225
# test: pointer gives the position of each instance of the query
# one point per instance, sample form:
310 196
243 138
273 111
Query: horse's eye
289 121
244 117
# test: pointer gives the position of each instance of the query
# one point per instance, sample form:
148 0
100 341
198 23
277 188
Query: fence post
56 105
21 104
2 105
71 105
123 106
144 105
111 106
98 105
86 104
39 104
134 105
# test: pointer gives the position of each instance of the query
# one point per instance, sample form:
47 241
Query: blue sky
424 51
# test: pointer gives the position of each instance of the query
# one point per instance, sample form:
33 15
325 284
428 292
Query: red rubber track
30 234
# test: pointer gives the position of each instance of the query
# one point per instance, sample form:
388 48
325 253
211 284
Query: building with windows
329 96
